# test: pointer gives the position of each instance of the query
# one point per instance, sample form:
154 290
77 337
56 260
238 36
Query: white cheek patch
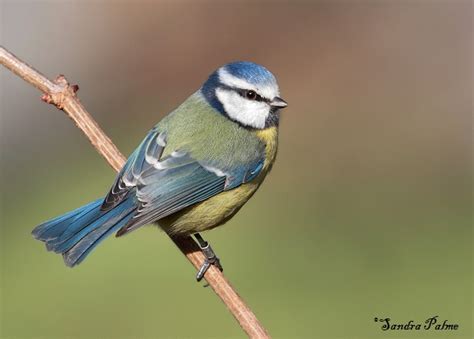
269 91
247 112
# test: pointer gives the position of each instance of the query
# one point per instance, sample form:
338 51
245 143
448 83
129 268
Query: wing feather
166 198
165 185
142 159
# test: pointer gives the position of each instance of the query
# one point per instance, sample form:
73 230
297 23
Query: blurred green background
367 212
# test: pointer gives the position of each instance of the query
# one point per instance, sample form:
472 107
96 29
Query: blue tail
76 233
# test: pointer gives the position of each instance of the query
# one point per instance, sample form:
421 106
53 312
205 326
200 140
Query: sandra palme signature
432 323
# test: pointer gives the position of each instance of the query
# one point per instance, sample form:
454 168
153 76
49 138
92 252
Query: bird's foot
211 258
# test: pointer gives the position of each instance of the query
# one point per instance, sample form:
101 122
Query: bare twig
63 96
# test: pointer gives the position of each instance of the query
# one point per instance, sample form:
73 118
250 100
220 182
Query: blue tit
192 172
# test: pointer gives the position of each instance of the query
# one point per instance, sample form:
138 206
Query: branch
63 96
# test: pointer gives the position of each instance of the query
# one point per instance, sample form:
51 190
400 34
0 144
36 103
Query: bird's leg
211 258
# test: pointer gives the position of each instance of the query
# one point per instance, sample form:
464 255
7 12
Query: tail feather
84 226
87 216
53 228
76 233
76 254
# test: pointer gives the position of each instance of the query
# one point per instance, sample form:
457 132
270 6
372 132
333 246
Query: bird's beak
278 102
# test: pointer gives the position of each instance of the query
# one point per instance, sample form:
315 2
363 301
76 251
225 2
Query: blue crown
250 72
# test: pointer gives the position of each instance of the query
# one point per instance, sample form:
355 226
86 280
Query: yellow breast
220 208
270 137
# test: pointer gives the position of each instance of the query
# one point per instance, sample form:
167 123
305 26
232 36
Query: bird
192 172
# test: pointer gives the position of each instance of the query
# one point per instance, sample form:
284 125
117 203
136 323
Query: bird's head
246 93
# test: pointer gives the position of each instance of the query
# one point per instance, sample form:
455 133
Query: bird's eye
251 95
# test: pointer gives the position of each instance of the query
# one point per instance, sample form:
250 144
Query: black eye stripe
254 96
243 93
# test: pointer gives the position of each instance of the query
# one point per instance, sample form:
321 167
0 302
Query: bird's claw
211 259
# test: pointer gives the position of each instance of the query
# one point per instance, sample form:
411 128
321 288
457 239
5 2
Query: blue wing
162 186
151 146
